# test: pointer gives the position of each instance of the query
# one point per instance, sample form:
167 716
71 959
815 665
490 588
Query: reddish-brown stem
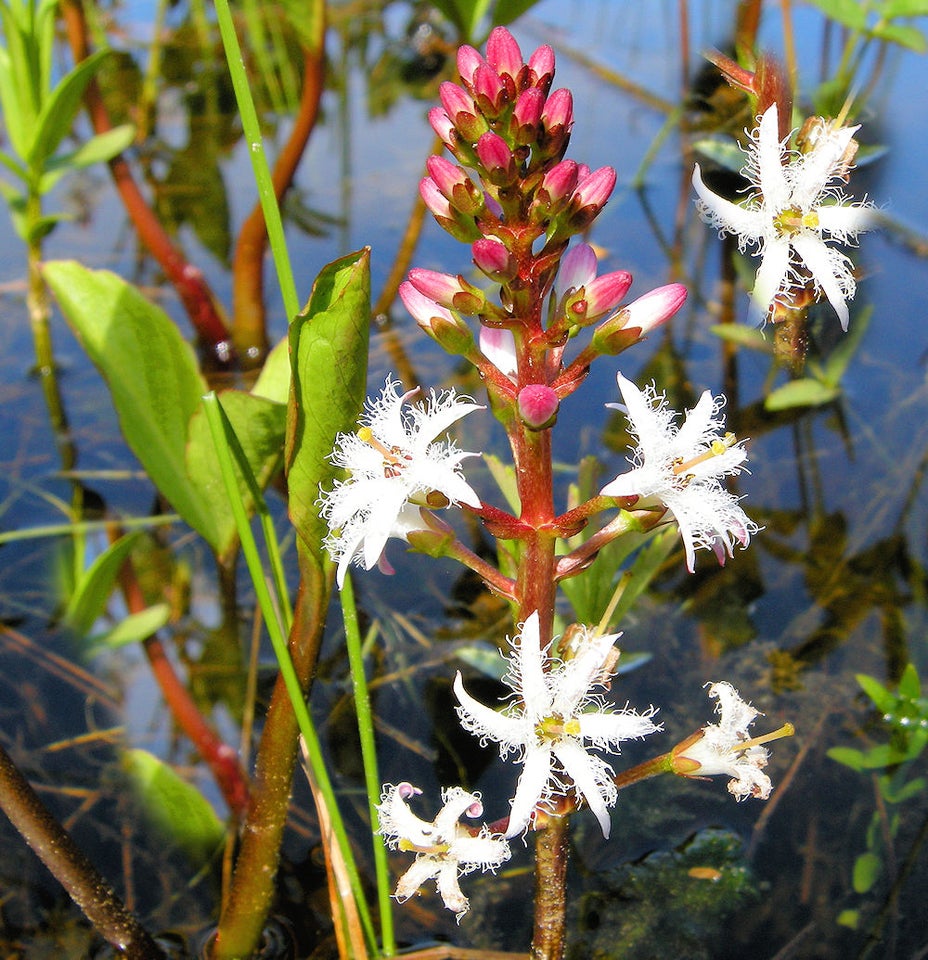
253 883
202 307
249 329
218 756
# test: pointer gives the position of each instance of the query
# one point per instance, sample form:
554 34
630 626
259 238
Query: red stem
218 756
202 307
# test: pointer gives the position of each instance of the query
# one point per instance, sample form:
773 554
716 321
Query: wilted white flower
394 467
724 748
553 723
683 467
445 848
795 209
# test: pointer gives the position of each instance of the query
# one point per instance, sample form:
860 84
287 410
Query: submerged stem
549 936
56 849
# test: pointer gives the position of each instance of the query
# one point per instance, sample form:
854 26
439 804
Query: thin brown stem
55 848
249 328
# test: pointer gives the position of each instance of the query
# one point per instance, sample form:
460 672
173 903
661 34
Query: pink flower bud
446 175
440 287
495 156
469 60
434 199
577 269
528 108
487 85
595 189
538 405
503 53
499 347
559 110
560 181
442 125
541 63
455 100
604 293
655 307
493 259
421 308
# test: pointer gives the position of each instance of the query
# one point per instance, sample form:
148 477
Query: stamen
787 730
366 435
716 449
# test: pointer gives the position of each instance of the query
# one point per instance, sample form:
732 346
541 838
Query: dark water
833 586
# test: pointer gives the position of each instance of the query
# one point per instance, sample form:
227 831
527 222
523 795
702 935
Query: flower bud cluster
512 194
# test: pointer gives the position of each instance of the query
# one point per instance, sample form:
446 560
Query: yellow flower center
792 220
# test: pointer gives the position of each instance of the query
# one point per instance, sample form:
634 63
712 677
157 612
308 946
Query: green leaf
848 918
508 10
13 165
875 690
909 37
98 149
273 382
867 868
259 425
134 628
152 375
851 13
848 756
89 600
176 808
56 118
801 393
742 335
905 792
505 476
328 347
909 685
891 9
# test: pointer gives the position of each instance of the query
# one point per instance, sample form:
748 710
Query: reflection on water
832 587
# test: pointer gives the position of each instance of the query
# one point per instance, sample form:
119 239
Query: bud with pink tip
494 259
594 189
503 53
443 127
541 65
469 61
499 347
526 116
497 159
440 287
455 184
538 405
488 90
604 293
434 199
556 188
654 308
452 334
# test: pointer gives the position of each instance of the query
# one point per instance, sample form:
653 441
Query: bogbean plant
532 332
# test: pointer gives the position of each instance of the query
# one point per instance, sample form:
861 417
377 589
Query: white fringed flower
554 722
394 467
795 209
683 467
445 848
725 749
